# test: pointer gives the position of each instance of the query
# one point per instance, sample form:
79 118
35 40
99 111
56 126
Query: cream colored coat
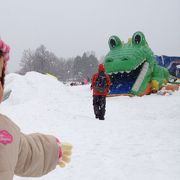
27 155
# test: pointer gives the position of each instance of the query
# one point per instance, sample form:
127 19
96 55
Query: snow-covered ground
139 139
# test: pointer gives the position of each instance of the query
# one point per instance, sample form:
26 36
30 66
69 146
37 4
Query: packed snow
139 139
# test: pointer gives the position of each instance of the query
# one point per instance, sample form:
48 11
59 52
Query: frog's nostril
109 60
124 59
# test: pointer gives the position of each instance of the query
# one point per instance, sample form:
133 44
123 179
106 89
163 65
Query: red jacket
93 82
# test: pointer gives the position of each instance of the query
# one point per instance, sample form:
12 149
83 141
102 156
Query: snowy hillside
139 139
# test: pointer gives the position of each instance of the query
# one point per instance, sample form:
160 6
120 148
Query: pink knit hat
5 49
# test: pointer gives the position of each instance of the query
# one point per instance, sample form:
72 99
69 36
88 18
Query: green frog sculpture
133 68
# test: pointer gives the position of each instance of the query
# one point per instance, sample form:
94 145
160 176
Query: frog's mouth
124 82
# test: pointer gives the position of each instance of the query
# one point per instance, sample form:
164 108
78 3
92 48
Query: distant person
100 85
85 81
32 155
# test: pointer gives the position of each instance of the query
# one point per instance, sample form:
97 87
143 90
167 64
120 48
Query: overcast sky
69 28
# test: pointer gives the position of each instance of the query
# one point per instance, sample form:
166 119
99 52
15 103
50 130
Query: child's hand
66 153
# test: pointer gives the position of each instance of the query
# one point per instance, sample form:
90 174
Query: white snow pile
139 139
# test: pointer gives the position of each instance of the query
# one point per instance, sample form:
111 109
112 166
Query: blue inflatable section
172 63
120 85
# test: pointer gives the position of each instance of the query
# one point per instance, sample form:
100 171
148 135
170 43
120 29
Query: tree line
43 61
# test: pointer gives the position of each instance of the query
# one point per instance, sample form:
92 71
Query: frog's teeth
136 67
128 71
140 77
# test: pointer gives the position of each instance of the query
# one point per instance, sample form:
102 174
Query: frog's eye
138 39
114 42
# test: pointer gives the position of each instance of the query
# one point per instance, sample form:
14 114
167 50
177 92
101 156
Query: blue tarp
171 63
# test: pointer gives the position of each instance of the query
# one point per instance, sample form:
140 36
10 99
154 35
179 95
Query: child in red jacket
100 85
30 155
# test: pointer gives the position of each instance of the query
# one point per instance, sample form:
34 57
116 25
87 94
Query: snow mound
31 86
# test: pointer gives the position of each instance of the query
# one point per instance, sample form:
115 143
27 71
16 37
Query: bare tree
40 60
